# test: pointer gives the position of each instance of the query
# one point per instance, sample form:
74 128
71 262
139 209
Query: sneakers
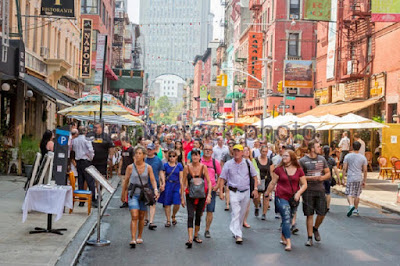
256 212
309 242
239 240
277 216
124 205
81 204
356 213
294 230
317 237
263 217
350 212
207 234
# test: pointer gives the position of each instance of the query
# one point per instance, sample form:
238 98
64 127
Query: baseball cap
151 146
288 147
238 147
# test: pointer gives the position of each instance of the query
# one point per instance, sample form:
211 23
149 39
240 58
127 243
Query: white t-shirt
362 149
219 152
344 144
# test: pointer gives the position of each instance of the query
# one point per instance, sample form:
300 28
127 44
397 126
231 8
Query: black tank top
265 172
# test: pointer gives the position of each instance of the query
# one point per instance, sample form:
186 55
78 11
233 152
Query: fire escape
355 43
118 41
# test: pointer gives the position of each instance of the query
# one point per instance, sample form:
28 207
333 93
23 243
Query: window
293 44
294 9
103 16
94 40
90 7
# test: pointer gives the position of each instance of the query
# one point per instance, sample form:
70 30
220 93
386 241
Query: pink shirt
211 171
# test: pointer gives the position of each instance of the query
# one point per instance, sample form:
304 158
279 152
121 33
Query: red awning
129 109
110 74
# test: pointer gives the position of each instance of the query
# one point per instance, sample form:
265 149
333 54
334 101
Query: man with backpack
214 170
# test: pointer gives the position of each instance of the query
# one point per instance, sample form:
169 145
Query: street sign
291 98
61 155
287 106
218 92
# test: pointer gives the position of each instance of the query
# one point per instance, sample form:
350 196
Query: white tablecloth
47 199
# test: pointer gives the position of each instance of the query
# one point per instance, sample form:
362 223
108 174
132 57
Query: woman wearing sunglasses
195 206
171 194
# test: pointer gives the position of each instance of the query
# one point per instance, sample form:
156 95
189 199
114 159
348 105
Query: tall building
175 31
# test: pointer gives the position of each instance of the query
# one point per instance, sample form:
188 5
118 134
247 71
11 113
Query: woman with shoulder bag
193 186
287 177
171 193
264 165
135 182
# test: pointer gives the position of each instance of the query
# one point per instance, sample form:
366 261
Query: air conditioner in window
44 51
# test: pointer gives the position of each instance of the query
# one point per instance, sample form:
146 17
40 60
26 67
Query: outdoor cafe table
49 199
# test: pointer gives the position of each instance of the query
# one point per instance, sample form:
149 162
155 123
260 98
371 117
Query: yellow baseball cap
238 147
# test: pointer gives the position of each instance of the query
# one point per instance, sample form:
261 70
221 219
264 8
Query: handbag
197 187
147 194
292 202
173 170
261 183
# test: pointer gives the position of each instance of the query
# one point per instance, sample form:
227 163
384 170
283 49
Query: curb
369 202
71 253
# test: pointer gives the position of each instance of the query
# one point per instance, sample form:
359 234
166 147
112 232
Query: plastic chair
396 170
368 155
79 195
384 170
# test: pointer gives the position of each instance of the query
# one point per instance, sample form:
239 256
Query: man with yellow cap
237 173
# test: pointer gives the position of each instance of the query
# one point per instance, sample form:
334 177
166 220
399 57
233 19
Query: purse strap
290 181
173 170
140 178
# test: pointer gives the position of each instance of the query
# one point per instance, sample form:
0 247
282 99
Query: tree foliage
165 112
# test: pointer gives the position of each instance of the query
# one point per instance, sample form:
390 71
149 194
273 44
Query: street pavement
370 239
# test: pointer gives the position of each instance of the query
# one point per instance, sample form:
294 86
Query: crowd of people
191 168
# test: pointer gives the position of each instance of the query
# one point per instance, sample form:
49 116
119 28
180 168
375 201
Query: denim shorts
211 207
135 204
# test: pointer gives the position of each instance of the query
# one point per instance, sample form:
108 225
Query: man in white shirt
344 146
220 149
357 138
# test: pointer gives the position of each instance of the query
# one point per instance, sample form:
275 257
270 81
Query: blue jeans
286 214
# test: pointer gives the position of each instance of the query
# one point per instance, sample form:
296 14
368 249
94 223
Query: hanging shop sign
378 85
298 74
203 93
318 10
331 56
59 8
254 66
385 11
86 48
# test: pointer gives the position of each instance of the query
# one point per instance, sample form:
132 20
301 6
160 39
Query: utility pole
284 101
264 116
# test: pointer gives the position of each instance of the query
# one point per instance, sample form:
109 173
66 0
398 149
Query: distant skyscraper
174 32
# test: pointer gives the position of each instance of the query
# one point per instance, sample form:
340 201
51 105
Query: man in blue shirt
237 173
158 170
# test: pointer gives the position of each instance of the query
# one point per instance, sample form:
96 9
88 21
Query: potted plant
27 150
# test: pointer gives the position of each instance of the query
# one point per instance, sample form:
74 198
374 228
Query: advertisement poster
86 49
254 65
330 62
318 10
298 74
101 46
385 10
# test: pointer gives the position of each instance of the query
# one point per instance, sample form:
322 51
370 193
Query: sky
216 8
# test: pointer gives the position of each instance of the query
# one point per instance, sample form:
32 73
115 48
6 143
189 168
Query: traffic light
225 80
219 80
280 87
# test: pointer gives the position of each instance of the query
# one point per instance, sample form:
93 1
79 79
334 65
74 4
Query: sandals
189 244
246 225
168 224
146 222
139 241
152 226
174 222
197 240
132 244
226 209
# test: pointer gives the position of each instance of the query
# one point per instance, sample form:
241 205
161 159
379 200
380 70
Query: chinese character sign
254 65
385 11
318 10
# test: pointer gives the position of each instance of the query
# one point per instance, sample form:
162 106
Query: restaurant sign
254 65
86 50
59 8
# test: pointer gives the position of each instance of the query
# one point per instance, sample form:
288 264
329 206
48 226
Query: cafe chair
396 170
368 155
79 195
393 159
384 170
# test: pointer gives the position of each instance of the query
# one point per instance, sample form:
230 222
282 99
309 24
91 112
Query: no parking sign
60 162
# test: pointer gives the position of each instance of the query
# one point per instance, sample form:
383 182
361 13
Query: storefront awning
341 108
129 84
42 87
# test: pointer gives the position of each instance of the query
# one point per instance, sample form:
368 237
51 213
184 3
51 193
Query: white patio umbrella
280 120
352 121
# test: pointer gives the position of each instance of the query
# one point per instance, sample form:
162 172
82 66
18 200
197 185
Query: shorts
353 189
327 185
135 204
211 207
314 202
267 181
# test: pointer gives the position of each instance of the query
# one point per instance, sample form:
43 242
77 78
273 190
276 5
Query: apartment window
43 29
293 44
58 44
104 14
90 6
294 9
94 40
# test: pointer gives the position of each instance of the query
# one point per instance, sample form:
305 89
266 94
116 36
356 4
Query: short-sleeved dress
171 195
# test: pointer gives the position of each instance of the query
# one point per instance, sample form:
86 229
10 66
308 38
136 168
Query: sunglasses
196 150
172 156
207 149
